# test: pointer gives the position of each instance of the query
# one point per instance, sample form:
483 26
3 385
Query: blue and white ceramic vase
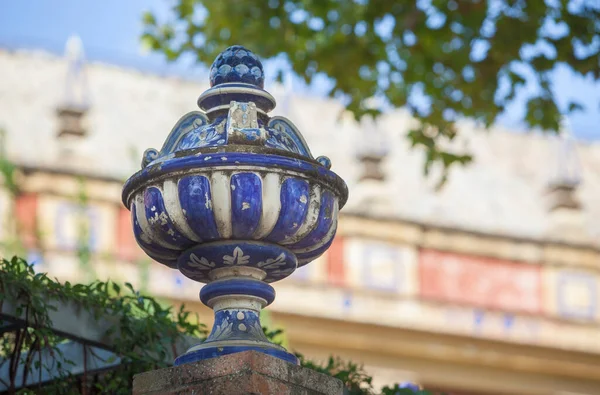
235 199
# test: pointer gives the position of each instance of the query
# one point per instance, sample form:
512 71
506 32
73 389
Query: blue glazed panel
316 252
205 136
276 261
236 324
582 281
189 123
196 202
294 207
237 64
246 203
371 255
67 211
240 286
323 225
284 135
160 254
160 221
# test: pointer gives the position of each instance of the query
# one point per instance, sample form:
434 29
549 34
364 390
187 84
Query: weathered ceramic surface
235 113
234 174
198 262
234 195
241 125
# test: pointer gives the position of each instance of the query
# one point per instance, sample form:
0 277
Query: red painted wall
485 282
26 207
127 248
335 262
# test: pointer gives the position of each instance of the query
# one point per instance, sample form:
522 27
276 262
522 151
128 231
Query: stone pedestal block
248 372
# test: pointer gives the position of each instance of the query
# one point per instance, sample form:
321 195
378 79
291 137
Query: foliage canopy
442 60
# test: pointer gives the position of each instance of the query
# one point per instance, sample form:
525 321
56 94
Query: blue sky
110 30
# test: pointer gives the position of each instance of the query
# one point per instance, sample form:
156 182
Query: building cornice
470 242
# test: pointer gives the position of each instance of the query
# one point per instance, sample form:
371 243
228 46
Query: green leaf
574 106
148 19
130 287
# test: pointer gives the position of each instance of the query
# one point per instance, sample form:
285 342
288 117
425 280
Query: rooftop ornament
235 200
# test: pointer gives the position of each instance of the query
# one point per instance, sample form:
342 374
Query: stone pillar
248 372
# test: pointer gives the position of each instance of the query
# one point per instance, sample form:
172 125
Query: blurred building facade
488 286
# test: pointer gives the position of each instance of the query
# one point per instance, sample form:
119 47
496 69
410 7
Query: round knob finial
237 64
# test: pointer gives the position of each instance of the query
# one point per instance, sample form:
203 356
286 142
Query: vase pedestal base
207 351
237 302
